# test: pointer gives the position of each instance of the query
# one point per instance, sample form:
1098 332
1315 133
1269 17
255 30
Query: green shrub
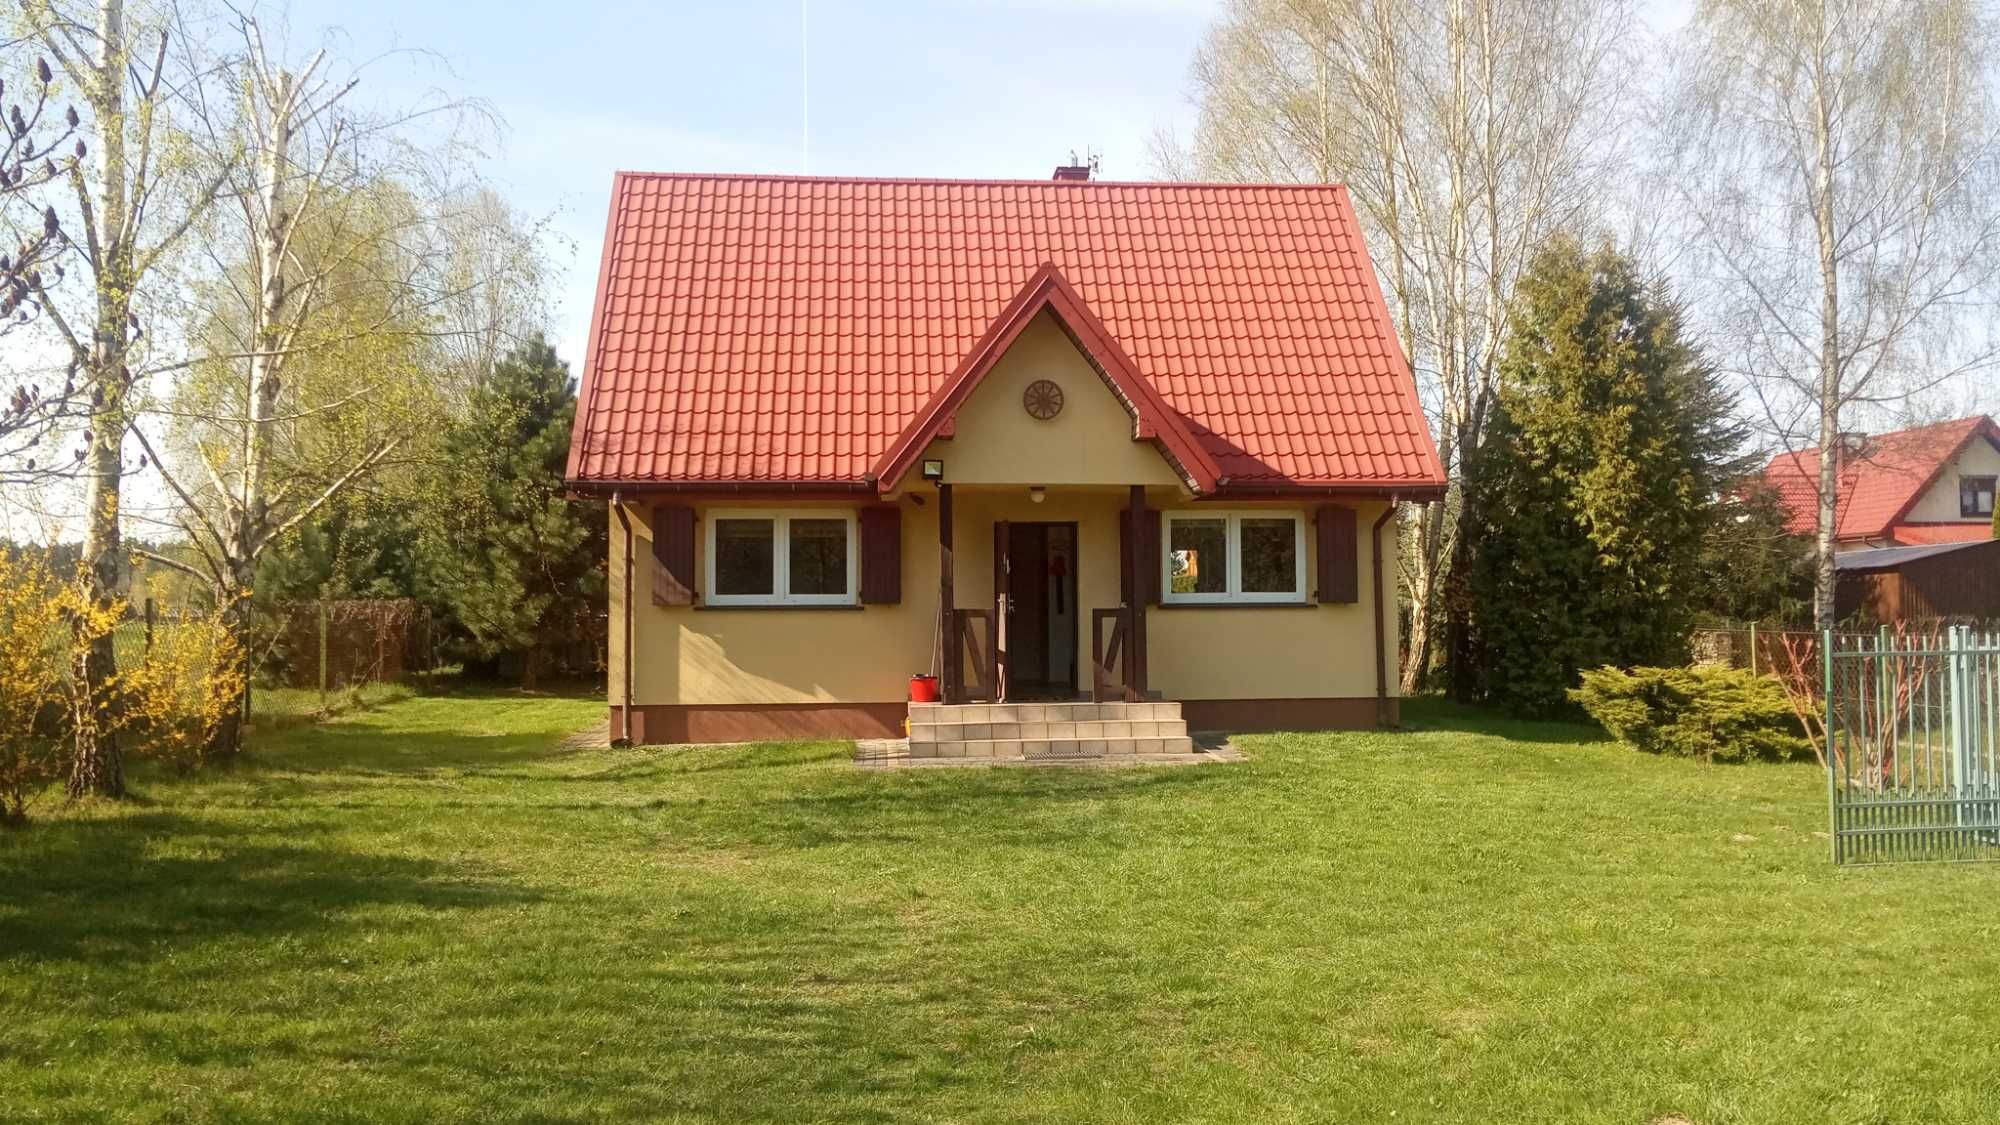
1710 712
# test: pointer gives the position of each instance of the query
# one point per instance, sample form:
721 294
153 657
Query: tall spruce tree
517 567
1610 443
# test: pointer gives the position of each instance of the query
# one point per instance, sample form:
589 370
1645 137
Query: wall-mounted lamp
1037 494
934 471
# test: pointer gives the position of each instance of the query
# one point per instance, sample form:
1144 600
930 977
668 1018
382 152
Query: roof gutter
589 488
1396 493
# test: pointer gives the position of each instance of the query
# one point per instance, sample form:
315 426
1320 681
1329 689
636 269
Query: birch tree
1835 164
1468 132
332 268
130 203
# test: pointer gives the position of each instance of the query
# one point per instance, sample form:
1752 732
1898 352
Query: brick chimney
1072 172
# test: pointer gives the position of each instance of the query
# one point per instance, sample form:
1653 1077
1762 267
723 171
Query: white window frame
780 520
1233 532
1992 495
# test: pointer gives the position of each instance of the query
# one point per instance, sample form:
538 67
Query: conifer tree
514 563
1610 443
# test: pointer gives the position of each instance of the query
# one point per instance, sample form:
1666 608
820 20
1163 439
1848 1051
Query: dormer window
1975 497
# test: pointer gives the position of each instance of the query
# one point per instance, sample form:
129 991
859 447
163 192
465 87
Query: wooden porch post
948 638
1135 609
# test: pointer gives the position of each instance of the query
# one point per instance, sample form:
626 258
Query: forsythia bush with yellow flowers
172 703
167 704
38 615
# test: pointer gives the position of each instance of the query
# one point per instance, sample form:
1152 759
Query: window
781 558
1234 557
1975 497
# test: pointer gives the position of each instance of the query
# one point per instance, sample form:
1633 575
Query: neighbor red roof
1878 488
1925 534
788 330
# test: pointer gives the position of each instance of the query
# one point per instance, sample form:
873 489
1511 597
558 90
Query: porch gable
1046 332
995 439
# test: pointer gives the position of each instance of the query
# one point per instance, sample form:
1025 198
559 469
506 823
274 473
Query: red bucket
923 688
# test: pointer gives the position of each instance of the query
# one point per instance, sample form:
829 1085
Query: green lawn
426 912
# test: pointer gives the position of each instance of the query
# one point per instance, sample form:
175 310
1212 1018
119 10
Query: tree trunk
1423 598
234 601
1461 655
247 518
96 768
95 765
1829 361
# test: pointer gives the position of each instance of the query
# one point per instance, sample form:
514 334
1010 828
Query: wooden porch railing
970 668
1107 676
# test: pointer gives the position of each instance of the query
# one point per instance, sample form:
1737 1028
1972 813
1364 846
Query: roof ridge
978 181
1969 419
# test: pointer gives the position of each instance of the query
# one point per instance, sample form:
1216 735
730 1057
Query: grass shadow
114 891
424 734
1436 713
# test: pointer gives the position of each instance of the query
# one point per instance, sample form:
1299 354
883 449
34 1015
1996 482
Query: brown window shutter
1149 555
1339 554
881 555
673 555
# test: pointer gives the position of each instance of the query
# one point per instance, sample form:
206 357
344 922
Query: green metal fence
1913 745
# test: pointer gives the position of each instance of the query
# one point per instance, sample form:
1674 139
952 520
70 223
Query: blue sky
950 88
997 88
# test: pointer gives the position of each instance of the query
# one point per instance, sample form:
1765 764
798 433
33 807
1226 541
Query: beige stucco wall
1089 442
1087 459
1939 503
694 655
1279 652
752 655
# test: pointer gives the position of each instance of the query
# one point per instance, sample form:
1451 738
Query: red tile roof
788 330
1925 534
1878 488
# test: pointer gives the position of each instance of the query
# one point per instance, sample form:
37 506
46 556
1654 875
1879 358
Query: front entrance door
1035 580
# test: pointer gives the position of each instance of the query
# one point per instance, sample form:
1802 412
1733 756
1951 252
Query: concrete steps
1047 731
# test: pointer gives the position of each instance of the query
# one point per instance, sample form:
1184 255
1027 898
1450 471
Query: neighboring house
1932 484
823 408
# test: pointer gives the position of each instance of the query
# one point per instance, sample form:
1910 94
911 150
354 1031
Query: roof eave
790 489
1413 491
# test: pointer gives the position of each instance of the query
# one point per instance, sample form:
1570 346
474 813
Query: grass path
425 912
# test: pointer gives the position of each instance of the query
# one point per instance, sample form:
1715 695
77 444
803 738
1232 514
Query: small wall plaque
1043 399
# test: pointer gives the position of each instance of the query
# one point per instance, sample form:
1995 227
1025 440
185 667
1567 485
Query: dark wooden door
1002 602
1028 587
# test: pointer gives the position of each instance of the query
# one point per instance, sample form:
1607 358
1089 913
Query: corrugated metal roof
787 329
1887 558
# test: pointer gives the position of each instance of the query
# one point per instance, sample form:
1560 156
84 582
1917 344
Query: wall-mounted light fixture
1037 494
934 470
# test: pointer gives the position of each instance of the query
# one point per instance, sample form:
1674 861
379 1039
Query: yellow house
1041 440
